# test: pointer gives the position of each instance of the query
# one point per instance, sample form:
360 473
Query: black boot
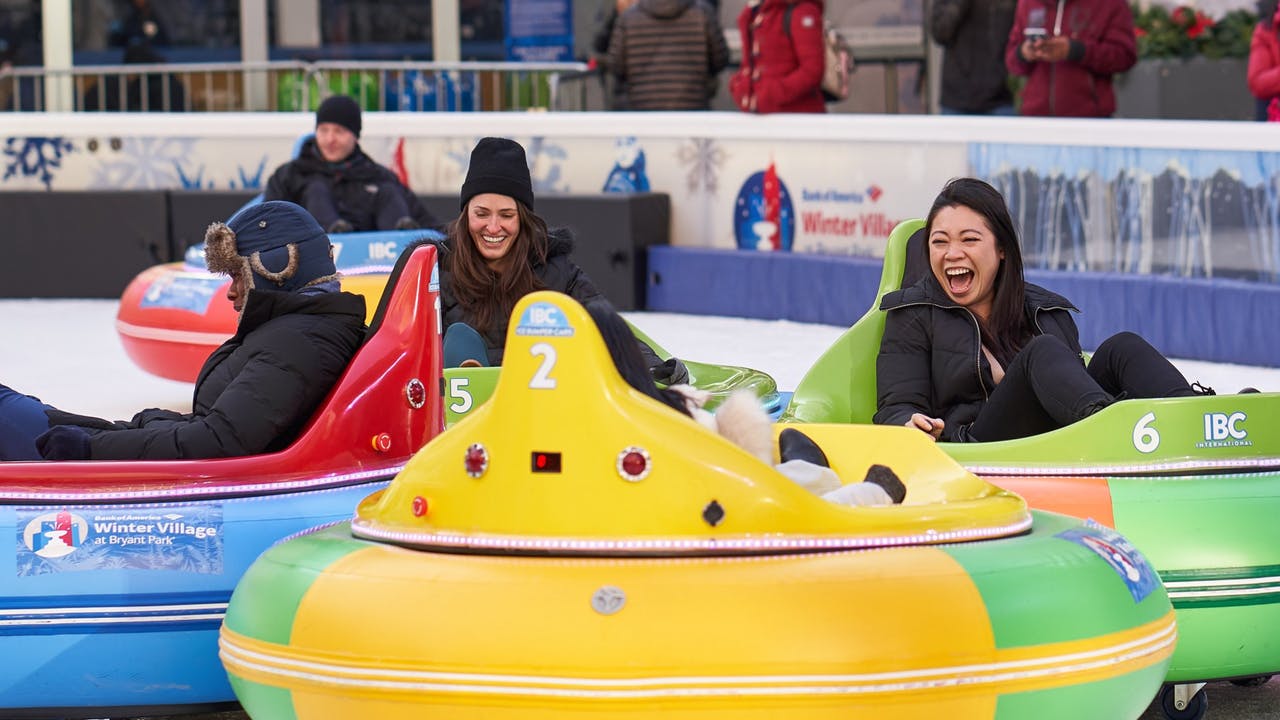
795 445
887 479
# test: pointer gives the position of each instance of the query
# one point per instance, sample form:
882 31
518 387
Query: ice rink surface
67 353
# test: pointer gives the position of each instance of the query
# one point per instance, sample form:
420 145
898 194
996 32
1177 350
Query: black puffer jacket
973 34
255 392
931 358
559 273
350 182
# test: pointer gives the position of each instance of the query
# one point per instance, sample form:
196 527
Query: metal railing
295 85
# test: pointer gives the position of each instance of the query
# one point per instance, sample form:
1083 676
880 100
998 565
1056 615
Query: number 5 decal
458 391
1145 437
542 379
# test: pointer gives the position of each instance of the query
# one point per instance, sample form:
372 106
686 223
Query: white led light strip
345 678
454 540
189 337
1226 588
268 489
1243 464
116 615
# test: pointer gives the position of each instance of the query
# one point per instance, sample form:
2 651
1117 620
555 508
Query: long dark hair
1007 329
487 296
626 356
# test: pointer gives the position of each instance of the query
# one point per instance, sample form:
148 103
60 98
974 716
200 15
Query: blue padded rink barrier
1229 321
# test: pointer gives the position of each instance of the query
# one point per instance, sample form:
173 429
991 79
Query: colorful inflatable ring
573 548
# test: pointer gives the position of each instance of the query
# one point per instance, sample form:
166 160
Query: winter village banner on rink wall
1184 198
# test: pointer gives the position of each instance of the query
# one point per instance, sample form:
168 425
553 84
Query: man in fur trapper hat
296 334
270 246
341 186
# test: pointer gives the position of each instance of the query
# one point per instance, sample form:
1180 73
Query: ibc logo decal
383 250
1225 430
544 319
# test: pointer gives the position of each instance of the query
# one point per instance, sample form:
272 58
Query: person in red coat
1073 49
1264 61
781 67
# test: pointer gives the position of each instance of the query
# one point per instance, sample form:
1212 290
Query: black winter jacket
254 393
559 273
349 181
973 34
931 358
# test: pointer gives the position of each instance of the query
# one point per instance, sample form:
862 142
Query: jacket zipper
1039 329
976 328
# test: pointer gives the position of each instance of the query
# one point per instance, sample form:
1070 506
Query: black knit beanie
498 166
340 110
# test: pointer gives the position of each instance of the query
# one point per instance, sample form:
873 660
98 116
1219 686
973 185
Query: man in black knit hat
344 189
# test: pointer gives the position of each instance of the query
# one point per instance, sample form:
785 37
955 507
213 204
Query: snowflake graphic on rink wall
546 163
38 157
150 163
703 157
247 180
142 164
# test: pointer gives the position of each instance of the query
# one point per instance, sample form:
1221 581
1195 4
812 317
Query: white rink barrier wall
1195 199
1186 204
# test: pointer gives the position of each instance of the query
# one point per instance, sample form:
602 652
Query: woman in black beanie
498 251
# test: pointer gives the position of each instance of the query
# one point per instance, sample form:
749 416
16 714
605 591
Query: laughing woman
498 251
974 353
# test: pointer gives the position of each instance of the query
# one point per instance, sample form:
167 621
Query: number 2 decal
1145 437
542 379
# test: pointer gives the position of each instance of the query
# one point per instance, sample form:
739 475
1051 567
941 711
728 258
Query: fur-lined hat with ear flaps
277 245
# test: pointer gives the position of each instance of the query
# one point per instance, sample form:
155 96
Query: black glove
62 417
670 372
152 415
64 442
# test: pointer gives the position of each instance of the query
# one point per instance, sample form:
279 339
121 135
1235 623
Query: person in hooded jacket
974 353
296 334
666 55
1069 60
783 55
498 251
341 186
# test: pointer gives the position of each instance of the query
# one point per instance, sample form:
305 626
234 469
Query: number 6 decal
1145 437
542 379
